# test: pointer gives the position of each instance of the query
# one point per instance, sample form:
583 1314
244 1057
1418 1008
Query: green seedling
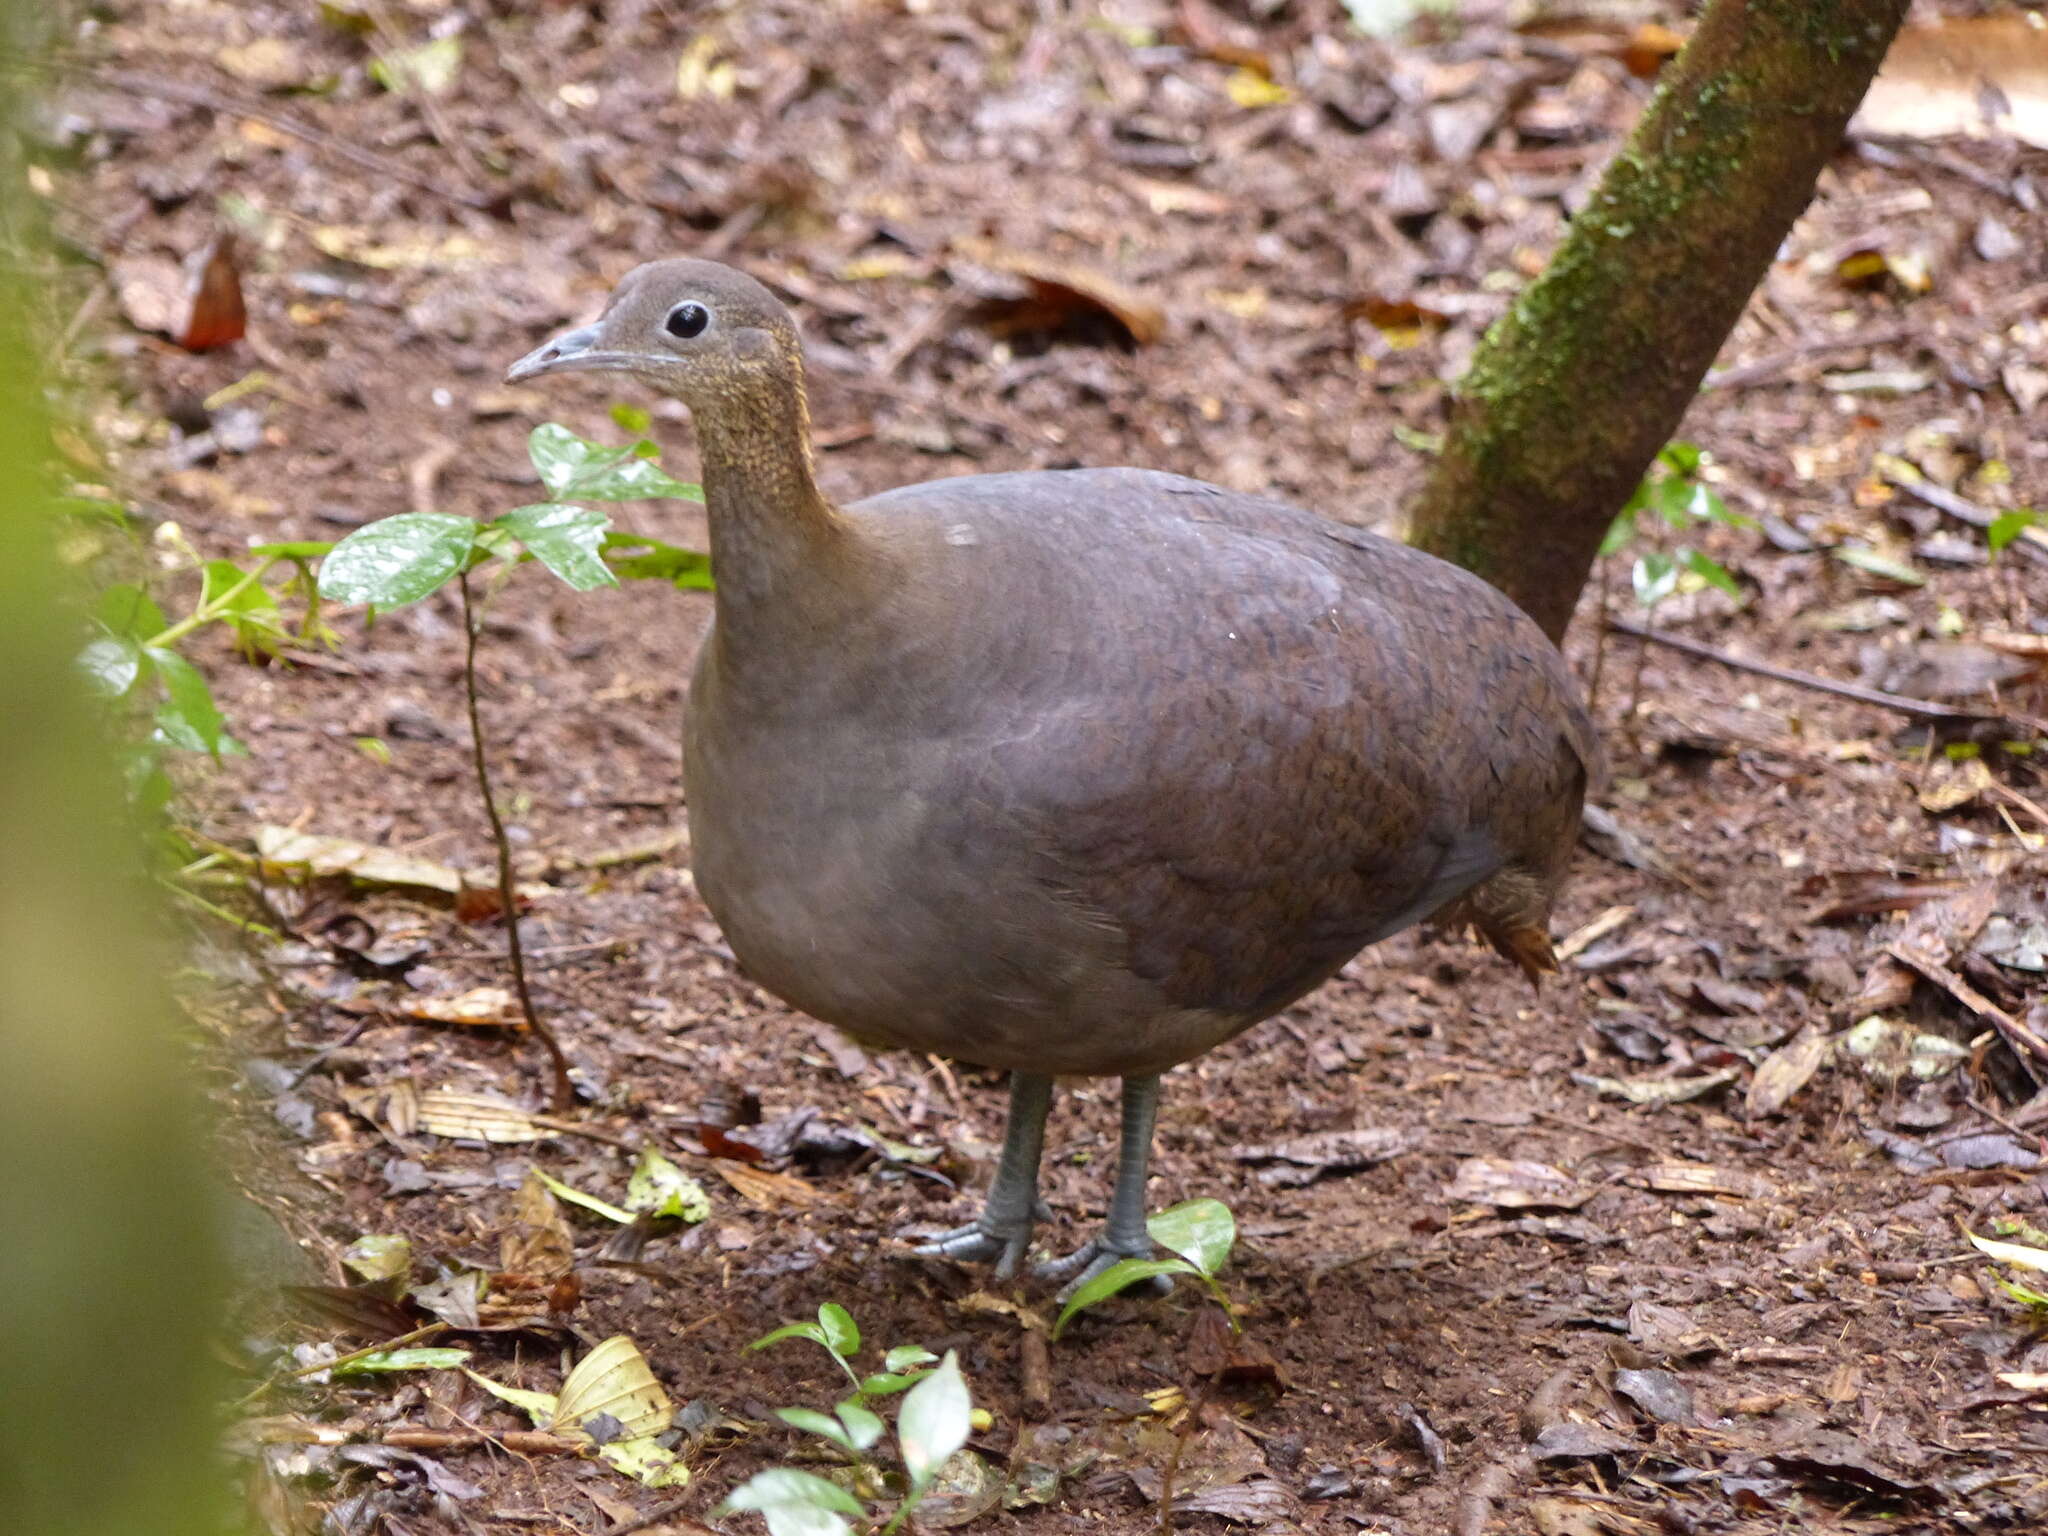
1672 495
2008 526
1201 1232
839 1336
932 1426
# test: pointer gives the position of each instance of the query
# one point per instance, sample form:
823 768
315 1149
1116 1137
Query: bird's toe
982 1242
1098 1256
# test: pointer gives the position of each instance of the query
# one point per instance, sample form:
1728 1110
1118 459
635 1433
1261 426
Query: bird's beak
570 352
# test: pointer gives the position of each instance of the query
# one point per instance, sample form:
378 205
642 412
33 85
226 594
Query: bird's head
693 330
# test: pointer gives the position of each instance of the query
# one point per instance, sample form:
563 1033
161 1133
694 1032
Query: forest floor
1672 1245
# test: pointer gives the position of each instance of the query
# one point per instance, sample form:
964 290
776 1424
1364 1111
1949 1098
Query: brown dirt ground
1843 1344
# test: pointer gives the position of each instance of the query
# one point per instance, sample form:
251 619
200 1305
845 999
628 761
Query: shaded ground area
1733 1296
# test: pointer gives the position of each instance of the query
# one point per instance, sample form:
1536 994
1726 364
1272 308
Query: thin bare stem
562 1097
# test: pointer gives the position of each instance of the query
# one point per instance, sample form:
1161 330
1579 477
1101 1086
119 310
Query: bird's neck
784 558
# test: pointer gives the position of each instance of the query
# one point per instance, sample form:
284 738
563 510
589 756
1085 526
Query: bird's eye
687 320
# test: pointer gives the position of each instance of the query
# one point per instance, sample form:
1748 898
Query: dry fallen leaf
1963 75
344 856
1952 785
1059 293
479 1007
1514 1185
268 62
769 1191
197 305
476 1117
1701 1179
1785 1071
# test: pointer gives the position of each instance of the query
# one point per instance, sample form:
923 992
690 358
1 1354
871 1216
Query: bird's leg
1123 1234
1003 1230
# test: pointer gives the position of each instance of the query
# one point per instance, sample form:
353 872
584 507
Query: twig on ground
2029 1048
430 1330
1034 1366
1963 511
1769 367
523 1442
1917 709
563 1094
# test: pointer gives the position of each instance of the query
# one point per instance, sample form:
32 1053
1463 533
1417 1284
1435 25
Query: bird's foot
985 1240
1099 1255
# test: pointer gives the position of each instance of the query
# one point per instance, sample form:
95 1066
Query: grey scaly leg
1123 1234
1003 1230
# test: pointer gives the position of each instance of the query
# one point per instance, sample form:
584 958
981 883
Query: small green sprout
932 1425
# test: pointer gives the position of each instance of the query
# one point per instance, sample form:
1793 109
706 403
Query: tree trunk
1572 393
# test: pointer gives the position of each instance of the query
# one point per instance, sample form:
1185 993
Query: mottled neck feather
780 552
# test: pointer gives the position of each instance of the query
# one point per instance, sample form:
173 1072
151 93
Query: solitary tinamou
1075 771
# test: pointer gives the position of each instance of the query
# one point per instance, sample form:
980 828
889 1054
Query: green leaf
934 1421
904 1356
659 1188
187 718
293 549
1673 500
1620 532
1201 1231
574 469
1655 576
129 612
630 418
1113 1279
111 665
252 613
222 577
2019 1255
809 1331
646 1460
823 1425
2008 526
842 1337
683 568
379 1256
397 560
576 1196
540 1407
863 1425
565 539
887 1383
786 1486
403 1360
1715 510
1680 457
1864 558
1710 571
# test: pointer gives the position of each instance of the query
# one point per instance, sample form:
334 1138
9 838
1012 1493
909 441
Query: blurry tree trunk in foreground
1572 393
108 1409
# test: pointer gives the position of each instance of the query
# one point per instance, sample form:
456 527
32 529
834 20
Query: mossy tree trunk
1572 393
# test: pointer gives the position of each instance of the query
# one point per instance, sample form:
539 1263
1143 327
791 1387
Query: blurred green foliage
108 1265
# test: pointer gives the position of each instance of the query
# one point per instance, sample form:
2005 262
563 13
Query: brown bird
1075 771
